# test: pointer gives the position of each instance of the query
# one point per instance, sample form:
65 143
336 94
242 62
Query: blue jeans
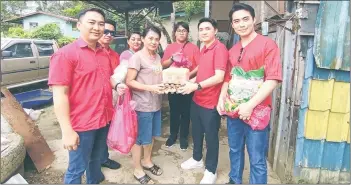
149 126
105 155
87 157
239 134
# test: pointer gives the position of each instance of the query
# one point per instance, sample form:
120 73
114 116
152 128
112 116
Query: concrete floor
169 159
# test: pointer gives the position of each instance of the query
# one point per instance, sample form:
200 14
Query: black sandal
156 170
143 180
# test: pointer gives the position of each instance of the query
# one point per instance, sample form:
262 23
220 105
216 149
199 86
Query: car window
119 45
45 49
20 50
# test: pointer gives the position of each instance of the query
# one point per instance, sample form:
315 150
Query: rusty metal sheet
21 123
332 35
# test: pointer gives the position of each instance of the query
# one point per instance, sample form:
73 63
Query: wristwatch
198 86
116 86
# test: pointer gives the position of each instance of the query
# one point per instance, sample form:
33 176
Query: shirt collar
82 43
212 45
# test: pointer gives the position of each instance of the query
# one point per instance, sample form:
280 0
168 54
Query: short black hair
109 21
83 12
132 33
182 24
241 6
205 19
151 28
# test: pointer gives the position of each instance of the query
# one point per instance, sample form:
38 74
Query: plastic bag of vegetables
242 87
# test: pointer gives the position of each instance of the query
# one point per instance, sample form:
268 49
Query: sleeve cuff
278 78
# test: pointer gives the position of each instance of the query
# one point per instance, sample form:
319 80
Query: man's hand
70 139
244 110
188 88
220 105
121 88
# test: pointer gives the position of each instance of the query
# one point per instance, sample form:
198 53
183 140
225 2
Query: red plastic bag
259 118
123 130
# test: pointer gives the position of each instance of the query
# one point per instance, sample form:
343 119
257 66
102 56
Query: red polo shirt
114 57
261 51
215 57
87 73
190 50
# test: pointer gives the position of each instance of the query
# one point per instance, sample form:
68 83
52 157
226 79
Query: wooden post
36 146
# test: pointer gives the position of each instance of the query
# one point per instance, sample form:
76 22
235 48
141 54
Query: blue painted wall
41 19
323 160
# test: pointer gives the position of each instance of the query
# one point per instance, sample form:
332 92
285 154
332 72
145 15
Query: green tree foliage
65 40
9 10
190 7
47 31
18 32
75 8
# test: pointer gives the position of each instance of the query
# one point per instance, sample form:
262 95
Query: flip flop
156 170
143 180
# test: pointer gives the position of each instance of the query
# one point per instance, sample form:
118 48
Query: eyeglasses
112 33
240 56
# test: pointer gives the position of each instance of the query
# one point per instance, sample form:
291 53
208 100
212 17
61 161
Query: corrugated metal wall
323 139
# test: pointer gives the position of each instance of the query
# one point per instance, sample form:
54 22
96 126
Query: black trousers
205 122
179 115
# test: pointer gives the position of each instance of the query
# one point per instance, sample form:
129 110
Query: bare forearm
265 90
216 79
166 63
224 89
135 85
193 72
113 83
62 108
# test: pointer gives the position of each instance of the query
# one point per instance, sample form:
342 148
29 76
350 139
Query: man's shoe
111 164
209 178
183 144
191 164
170 141
230 181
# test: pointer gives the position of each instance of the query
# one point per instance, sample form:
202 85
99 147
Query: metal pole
126 15
207 8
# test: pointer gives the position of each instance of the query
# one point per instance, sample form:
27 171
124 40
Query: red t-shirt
87 73
190 50
215 57
114 57
261 51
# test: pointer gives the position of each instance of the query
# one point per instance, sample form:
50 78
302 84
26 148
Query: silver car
25 61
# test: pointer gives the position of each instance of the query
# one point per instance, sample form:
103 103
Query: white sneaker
209 178
191 164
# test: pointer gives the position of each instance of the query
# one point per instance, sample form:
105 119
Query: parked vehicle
120 44
25 61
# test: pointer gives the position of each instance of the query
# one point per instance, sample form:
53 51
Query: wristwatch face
198 86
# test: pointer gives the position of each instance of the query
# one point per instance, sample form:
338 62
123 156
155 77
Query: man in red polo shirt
253 52
207 86
105 42
79 75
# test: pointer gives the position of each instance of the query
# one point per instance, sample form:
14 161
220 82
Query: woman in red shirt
180 104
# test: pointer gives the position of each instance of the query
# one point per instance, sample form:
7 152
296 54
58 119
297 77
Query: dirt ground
167 158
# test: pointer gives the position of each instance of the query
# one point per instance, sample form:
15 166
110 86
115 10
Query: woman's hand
157 89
